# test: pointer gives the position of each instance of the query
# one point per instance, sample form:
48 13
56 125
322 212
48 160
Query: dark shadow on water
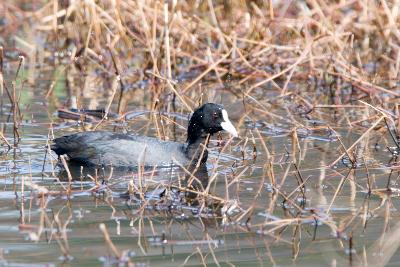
194 177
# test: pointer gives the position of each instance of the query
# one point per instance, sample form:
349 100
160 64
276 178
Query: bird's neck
197 146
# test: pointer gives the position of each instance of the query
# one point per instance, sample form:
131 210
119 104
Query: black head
210 118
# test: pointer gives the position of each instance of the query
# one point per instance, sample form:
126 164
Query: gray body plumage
108 148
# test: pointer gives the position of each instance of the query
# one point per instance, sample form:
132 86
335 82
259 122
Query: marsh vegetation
311 86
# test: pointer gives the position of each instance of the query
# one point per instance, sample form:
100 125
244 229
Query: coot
126 150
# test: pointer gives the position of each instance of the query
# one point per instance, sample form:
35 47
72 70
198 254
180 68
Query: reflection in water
78 171
192 177
148 210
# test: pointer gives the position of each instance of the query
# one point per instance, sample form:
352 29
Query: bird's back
108 148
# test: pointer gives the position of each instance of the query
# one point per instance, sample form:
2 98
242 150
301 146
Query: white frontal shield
227 125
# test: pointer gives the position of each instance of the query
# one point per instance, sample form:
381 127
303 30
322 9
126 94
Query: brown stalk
108 240
358 140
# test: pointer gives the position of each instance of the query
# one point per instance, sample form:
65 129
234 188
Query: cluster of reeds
173 46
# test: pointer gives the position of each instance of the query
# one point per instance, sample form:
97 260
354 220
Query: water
257 228
321 214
